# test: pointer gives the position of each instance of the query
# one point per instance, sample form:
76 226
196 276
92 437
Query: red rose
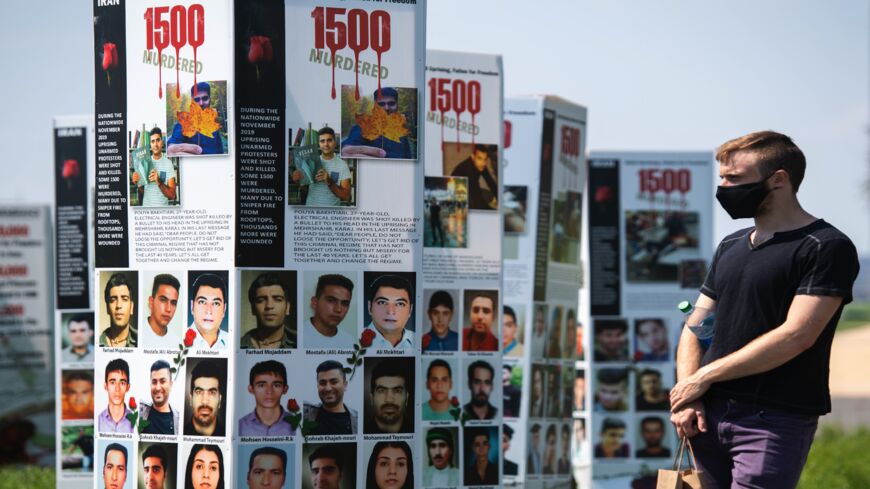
292 405
70 169
189 337
260 50
133 403
454 401
366 338
110 56
426 340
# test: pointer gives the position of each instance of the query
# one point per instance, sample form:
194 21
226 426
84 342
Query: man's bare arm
807 317
690 419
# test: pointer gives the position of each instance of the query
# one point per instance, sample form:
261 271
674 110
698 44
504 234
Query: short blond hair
774 151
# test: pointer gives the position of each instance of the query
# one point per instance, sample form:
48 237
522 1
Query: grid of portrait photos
631 380
460 409
163 345
76 364
319 381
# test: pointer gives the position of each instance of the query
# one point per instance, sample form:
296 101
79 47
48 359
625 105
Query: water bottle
703 331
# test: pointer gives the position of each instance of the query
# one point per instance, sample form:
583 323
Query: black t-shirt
85 444
754 287
332 423
160 423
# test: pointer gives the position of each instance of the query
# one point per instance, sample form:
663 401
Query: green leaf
350 360
347 370
182 362
180 347
362 352
173 370
359 362
356 346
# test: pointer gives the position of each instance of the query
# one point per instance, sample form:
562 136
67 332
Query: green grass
854 315
29 477
838 460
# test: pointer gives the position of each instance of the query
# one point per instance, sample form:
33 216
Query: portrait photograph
117 316
329 465
481 389
77 394
390 465
611 390
379 123
654 437
441 447
515 204
206 466
77 337
566 227
208 312
481 320
513 331
206 389
441 324
540 314
610 340
389 309
442 381
329 309
653 384
651 342
330 397
445 219
478 163
163 297
159 392
266 466
154 178
157 466
656 242
389 394
115 464
77 449
263 394
196 119
481 455
317 175
610 436
269 309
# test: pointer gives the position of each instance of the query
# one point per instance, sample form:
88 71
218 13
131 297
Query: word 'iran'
347 64
450 122
168 61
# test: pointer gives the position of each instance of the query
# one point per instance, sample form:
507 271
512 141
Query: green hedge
838 460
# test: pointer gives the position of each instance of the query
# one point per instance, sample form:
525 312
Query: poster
545 178
26 328
650 243
462 440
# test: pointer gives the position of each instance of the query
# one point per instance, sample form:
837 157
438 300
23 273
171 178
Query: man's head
205 394
508 325
610 337
164 299
507 434
326 140
81 331
440 444
479 442
331 299
267 468
612 434
566 439
387 99
117 381
155 139
480 377
115 466
201 94
550 445
506 373
389 391
270 301
440 312
439 380
579 390
208 303
649 383
161 383
120 299
535 431
652 430
653 334
482 312
267 381
155 467
331 383
480 157
611 389
78 391
391 301
326 465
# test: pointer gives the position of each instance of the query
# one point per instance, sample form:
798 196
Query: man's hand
135 177
183 149
690 420
688 390
297 176
362 152
322 176
153 176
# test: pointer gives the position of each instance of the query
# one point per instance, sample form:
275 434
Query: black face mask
741 201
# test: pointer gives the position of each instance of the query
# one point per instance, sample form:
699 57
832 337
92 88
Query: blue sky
664 75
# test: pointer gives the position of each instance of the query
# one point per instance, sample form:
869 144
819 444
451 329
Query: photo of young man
330 304
162 418
207 380
612 440
509 467
481 377
442 469
329 466
511 335
271 296
651 340
481 457
480 167
267 468
611 391
198 143
156 175
162 304
267 382
77 394
512 394
114 419
439 383
332 415
80 331
652 432
390 305
611 340
120 296
208 307
651 396
441 336
329 181
158 465
388 101
480 307
77 446
390 398
115 466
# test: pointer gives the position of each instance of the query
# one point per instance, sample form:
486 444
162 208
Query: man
330 304
554 349
439 383
271 304
580 391
563 466
441 471
113 419
537 405
114 466
652 430
205 400
155 467
510 343
481 195
480 378
267 468
482 472
120 304
507 434
390 304
85 443
326 466
332 415
162 303
356 146
198 144
612 390
208 306
440 337
435 222
478 336
390 391
267 381
162 419
778 289
330 184
512 394
650 394
550 450
78 395
612 436
611 342
652 341
533 460
81 337
160 187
